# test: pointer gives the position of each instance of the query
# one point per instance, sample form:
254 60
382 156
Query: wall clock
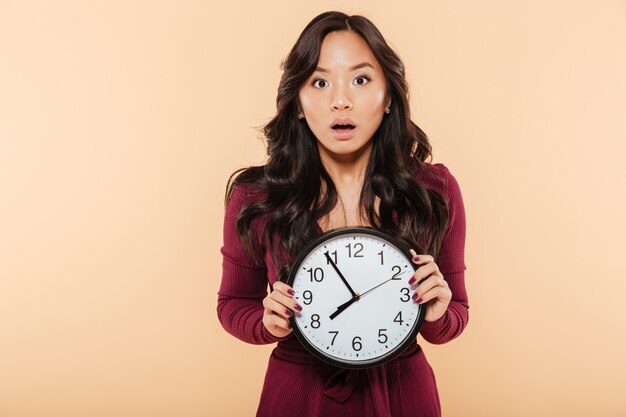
357 305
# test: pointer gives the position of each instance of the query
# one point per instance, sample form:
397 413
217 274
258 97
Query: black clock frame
361 364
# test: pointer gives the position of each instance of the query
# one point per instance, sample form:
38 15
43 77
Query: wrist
271 338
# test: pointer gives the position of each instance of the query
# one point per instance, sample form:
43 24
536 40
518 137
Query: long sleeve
244 284
451 263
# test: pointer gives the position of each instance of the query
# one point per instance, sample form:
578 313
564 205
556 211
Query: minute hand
341 275
373 288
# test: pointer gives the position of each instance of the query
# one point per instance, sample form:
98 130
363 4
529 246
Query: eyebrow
355 67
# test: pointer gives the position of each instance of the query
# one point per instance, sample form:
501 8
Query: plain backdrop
120 122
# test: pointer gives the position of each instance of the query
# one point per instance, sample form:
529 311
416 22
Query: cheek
308 101
312 107
378 98
375 107
373 103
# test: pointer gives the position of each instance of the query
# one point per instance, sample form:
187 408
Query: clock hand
373 288
356 297
344 306
340 274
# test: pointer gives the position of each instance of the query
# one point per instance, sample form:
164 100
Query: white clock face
369 317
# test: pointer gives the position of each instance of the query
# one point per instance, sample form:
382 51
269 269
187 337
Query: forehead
343 49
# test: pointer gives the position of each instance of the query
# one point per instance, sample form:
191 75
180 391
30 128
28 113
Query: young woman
320 175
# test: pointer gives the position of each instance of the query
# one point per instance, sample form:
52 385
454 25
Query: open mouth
342 127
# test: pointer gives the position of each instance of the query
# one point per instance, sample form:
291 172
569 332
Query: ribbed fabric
296 382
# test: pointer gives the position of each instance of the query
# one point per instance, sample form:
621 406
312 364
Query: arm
244 284
452 266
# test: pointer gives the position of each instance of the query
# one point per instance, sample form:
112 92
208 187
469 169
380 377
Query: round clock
353 284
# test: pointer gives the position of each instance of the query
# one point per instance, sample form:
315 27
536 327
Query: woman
320 175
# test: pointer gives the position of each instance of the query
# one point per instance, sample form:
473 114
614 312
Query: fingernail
415 296
298 307
416 259
289 325
412 281
288 313
291 292
419 300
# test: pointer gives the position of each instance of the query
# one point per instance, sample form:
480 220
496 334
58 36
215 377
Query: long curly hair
292 180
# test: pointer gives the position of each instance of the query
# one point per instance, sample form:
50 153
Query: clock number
334 255
381 333
334 337
357 252
398 272
398 318
381 257
356 343
316 274
406 292
315 321
308 297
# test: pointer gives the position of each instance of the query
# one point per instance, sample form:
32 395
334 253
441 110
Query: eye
363 77
318 79
360 77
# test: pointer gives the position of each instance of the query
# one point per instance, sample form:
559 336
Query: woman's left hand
433 290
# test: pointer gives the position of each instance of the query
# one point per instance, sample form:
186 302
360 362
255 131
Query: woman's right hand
279 306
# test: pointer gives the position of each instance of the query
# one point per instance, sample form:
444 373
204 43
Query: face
341 87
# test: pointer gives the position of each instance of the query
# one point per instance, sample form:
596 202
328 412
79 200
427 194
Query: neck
346 170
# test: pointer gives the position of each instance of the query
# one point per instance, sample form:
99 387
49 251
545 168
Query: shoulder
244 194
451 184
239 195
439 177
436 176
243 189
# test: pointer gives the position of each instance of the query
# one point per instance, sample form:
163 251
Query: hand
278 308
432 288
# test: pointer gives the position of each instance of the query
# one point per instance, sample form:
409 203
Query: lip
343 133
342 121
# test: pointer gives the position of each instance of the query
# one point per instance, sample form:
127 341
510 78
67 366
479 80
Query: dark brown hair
293 176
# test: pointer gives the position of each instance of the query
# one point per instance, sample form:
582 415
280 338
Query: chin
345 147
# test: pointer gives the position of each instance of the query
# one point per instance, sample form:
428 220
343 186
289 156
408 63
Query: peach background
121 121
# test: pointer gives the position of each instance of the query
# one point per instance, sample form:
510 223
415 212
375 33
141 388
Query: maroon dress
299 384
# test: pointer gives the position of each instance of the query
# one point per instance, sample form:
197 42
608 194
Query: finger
273 306
442 293
423 272
429 283
421 258
272 321
284 288
285 300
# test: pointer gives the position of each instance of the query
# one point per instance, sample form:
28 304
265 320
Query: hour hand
343 307
340 275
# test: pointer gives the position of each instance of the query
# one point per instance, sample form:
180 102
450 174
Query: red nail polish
415 296
291 292
419 300
298 307
412 281
288 313
416 259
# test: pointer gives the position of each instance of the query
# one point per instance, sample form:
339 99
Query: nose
341 101
341 105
